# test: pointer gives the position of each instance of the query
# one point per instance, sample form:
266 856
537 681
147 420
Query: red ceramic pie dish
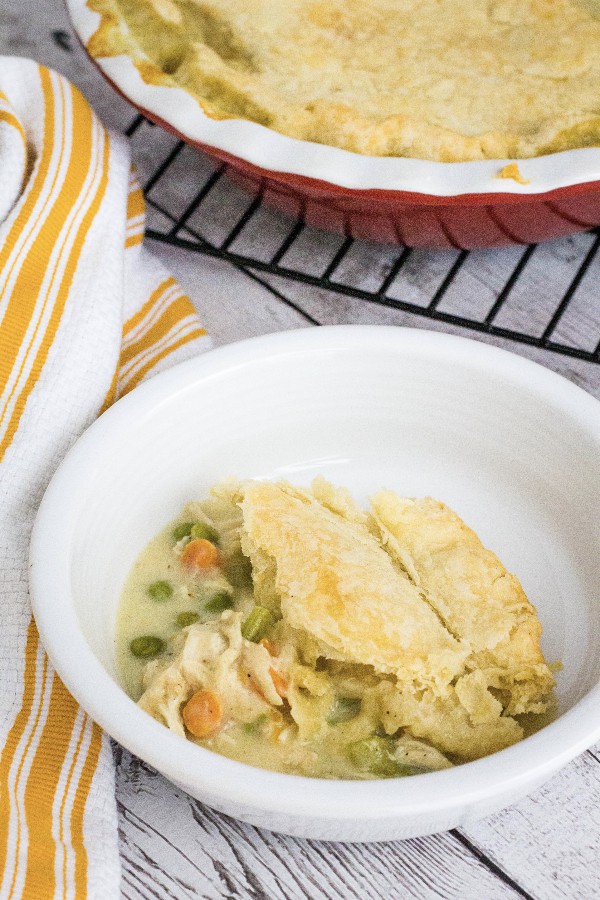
417 203
415 219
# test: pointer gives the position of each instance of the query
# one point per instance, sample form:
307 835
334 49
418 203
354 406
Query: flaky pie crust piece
410 591
338 584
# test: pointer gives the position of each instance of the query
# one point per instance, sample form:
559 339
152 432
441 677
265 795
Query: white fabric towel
85 314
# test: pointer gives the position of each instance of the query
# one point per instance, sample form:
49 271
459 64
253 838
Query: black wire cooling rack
546 295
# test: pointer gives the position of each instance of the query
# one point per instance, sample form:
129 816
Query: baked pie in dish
437 80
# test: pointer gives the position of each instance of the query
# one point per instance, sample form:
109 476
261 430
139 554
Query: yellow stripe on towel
36 294
136 213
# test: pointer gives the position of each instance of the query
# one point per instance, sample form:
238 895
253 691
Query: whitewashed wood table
545 847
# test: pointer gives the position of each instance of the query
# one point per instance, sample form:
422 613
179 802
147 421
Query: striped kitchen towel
85 315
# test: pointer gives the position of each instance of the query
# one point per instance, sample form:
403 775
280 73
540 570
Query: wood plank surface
550 842
545 847
172 841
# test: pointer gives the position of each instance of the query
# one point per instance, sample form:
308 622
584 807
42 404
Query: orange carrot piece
202 714
200 554
280 682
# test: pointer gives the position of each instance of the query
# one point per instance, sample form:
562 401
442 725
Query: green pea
183 530
160 591
374 755
238 571
343 709
187 618
256 624
147 646
256 727
219 602
201 530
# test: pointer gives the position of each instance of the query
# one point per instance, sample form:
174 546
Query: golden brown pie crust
444 80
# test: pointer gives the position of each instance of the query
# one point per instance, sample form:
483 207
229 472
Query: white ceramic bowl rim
536 756
275 152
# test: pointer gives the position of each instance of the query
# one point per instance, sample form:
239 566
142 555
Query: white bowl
513 447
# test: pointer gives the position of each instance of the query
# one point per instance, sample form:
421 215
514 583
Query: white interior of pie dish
275 152
514 448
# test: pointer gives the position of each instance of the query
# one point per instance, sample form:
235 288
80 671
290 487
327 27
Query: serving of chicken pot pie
290 629
432 79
